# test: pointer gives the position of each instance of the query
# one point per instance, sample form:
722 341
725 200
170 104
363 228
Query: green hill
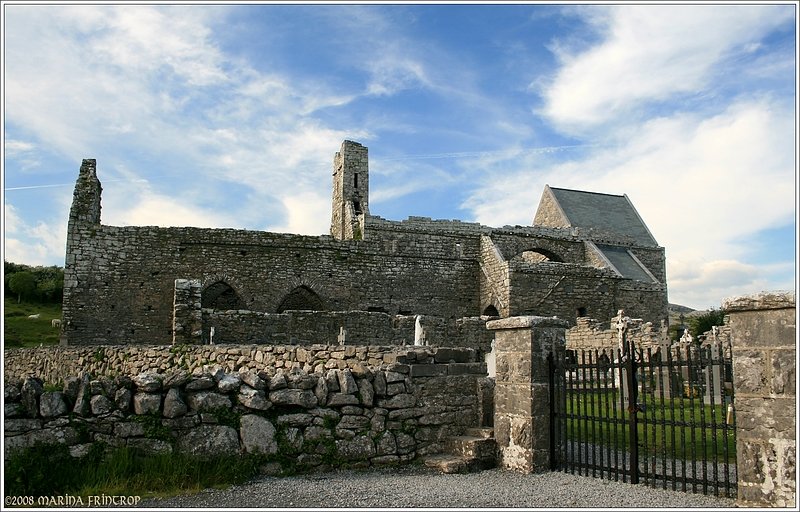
21 331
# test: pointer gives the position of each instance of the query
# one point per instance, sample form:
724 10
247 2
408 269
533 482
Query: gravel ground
415 486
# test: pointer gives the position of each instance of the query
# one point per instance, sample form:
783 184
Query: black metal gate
663 417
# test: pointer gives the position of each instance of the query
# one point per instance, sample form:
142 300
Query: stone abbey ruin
372 281
387 342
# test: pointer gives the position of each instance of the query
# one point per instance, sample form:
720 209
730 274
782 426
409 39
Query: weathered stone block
209 440
428 370
358 448
400 401
783 372
147 403
253 399
174 406
52 404
207 401
100 405
258 435
303 398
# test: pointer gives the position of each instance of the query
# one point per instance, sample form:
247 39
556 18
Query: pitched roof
603 212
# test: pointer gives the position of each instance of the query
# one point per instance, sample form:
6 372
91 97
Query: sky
229 116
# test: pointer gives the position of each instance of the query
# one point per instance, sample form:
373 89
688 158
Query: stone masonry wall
125 289
370 407
324 327
764 341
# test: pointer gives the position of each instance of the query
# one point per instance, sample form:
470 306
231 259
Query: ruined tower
84 220
350 191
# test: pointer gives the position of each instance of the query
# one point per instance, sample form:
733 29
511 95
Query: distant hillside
678 309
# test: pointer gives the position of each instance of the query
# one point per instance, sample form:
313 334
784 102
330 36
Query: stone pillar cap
761 300
523 322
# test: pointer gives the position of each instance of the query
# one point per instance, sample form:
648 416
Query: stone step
471 447
447 463
484 432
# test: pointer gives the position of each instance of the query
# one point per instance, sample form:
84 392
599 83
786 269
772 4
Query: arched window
301 298
491 311
221 296
537 256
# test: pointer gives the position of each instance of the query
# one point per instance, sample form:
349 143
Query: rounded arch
538 255
301 298
220 295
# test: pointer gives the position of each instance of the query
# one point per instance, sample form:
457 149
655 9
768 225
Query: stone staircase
472 452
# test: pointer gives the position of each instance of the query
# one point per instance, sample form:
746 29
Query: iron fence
664 418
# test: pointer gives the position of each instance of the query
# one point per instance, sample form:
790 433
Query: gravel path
415 486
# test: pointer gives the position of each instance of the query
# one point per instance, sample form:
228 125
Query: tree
703 323
22 283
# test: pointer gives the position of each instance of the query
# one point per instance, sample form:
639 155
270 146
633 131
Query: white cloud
650 53
40 244
700 184
308 213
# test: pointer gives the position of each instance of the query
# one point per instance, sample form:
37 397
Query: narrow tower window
355 180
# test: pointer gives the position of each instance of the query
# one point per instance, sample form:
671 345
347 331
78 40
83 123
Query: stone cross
342 335
622 326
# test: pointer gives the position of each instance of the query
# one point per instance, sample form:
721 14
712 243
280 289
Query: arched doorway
221 296
301 298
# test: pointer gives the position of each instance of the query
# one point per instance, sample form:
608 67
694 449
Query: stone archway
537 255
301 298
221 296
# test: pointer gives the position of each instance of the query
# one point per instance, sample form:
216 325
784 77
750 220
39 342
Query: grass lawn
21 331
681 428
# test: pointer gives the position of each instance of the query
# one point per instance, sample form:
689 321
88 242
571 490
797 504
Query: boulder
30 392
366 391
301 397
100 405
358 448
82 407
52 404
174 406
147 403
347 384
228 383
200 383
258 435
253 398
209 440
207 401
123 398
148 382
252 379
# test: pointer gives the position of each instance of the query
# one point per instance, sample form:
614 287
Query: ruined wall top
761 300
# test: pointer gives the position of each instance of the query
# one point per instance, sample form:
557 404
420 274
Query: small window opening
355 180
581 311
357 207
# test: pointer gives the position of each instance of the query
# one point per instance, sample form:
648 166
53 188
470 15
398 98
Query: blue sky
229 116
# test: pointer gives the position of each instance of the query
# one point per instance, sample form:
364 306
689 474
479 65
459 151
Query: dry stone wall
368 408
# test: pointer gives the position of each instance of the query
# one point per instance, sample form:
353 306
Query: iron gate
662 417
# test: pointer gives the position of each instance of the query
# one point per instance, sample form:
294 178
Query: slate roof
624 263
605 212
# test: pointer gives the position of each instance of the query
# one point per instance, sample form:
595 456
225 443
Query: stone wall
325 327
764 340
111 297
589 333
369 407
134 283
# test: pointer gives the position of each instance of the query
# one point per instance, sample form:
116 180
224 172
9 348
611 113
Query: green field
679 428
21 331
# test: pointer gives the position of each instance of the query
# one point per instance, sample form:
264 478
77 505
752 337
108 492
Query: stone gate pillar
522 389
187 313
763 338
